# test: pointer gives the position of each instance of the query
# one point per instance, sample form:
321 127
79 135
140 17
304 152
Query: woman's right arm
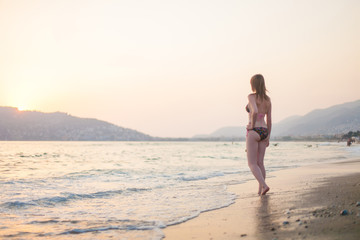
269 125
268 120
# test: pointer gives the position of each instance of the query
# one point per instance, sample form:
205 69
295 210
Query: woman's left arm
253 111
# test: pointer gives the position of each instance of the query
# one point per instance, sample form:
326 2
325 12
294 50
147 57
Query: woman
258 131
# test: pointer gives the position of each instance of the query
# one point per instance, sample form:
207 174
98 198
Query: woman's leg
260 162
261 155
252 146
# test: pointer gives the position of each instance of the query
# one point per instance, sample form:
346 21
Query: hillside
338 119
32 125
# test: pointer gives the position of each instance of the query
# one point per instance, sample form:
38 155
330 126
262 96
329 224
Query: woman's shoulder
251 95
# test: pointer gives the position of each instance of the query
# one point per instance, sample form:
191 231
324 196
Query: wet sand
303 203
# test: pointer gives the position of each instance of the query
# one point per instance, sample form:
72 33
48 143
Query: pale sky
177 68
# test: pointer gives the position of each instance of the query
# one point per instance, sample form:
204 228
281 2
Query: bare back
263 108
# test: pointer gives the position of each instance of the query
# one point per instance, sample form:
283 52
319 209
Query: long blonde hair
258 86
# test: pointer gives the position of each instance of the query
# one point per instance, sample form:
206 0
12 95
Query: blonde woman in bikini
258 131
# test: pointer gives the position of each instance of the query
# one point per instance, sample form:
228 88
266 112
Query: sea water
129 190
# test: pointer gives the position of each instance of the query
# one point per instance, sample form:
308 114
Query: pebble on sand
344 212
358 204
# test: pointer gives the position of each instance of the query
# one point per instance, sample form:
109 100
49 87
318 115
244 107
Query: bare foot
265 190
260 187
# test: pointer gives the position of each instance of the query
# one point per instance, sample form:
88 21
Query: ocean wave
67 197
93 172
79 231
37 155
87 174
202 177
16 204
127 225
210 175
45 222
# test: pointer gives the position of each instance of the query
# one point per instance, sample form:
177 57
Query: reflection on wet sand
264 217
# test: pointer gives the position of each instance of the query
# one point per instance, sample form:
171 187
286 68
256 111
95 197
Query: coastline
303 203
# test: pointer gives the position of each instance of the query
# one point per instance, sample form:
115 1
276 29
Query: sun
21 108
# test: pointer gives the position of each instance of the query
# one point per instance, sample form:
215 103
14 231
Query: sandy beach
303 203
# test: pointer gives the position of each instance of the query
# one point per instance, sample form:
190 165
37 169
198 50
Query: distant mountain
32 125
338 119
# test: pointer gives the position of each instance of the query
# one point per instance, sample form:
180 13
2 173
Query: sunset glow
177 68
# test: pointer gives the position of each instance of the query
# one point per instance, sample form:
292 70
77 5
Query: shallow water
128 190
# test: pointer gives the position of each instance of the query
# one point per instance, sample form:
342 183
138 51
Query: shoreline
303 203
